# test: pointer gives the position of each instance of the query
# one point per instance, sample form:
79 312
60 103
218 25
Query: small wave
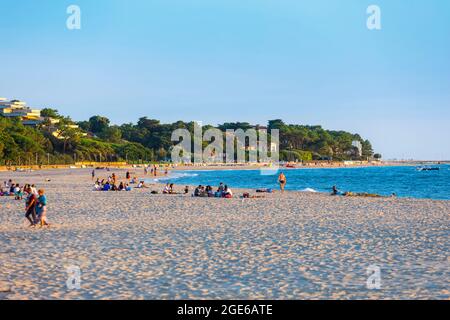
175 176
309 190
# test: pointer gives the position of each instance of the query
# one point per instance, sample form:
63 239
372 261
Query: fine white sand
135 245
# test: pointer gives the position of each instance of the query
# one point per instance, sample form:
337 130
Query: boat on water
427 168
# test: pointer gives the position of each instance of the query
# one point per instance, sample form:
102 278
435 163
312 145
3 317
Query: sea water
404 181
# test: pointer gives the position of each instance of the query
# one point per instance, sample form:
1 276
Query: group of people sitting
169 189
12 189
35 201
110 185
222 191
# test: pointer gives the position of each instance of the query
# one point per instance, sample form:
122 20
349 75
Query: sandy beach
136 245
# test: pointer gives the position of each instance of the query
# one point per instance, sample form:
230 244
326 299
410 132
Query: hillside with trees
149 140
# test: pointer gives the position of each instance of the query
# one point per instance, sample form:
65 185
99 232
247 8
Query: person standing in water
282 181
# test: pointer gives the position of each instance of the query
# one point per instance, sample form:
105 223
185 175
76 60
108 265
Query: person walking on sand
42 208
30 208
282 181
93 174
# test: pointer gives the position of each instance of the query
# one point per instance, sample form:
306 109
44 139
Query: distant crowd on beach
222 191
35 201
111 183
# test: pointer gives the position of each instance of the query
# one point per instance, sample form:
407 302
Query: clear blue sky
306 62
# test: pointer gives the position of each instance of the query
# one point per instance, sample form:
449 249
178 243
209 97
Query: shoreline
162 166
164 179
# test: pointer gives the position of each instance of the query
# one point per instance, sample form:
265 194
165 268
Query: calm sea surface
404 181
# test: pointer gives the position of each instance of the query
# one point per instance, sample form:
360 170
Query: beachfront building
19 109
32 117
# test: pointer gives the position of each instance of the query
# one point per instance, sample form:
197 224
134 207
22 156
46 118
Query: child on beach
18 193
41 208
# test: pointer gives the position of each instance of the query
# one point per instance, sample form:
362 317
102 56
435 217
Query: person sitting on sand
30 207
203 192
41 208
227 193
166 189
142 185
97 187
335 191
121 186
11 189
106 186
197 191
5 188
209 191
18 192
9 184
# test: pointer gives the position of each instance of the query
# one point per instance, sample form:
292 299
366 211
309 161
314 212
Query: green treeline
149 140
